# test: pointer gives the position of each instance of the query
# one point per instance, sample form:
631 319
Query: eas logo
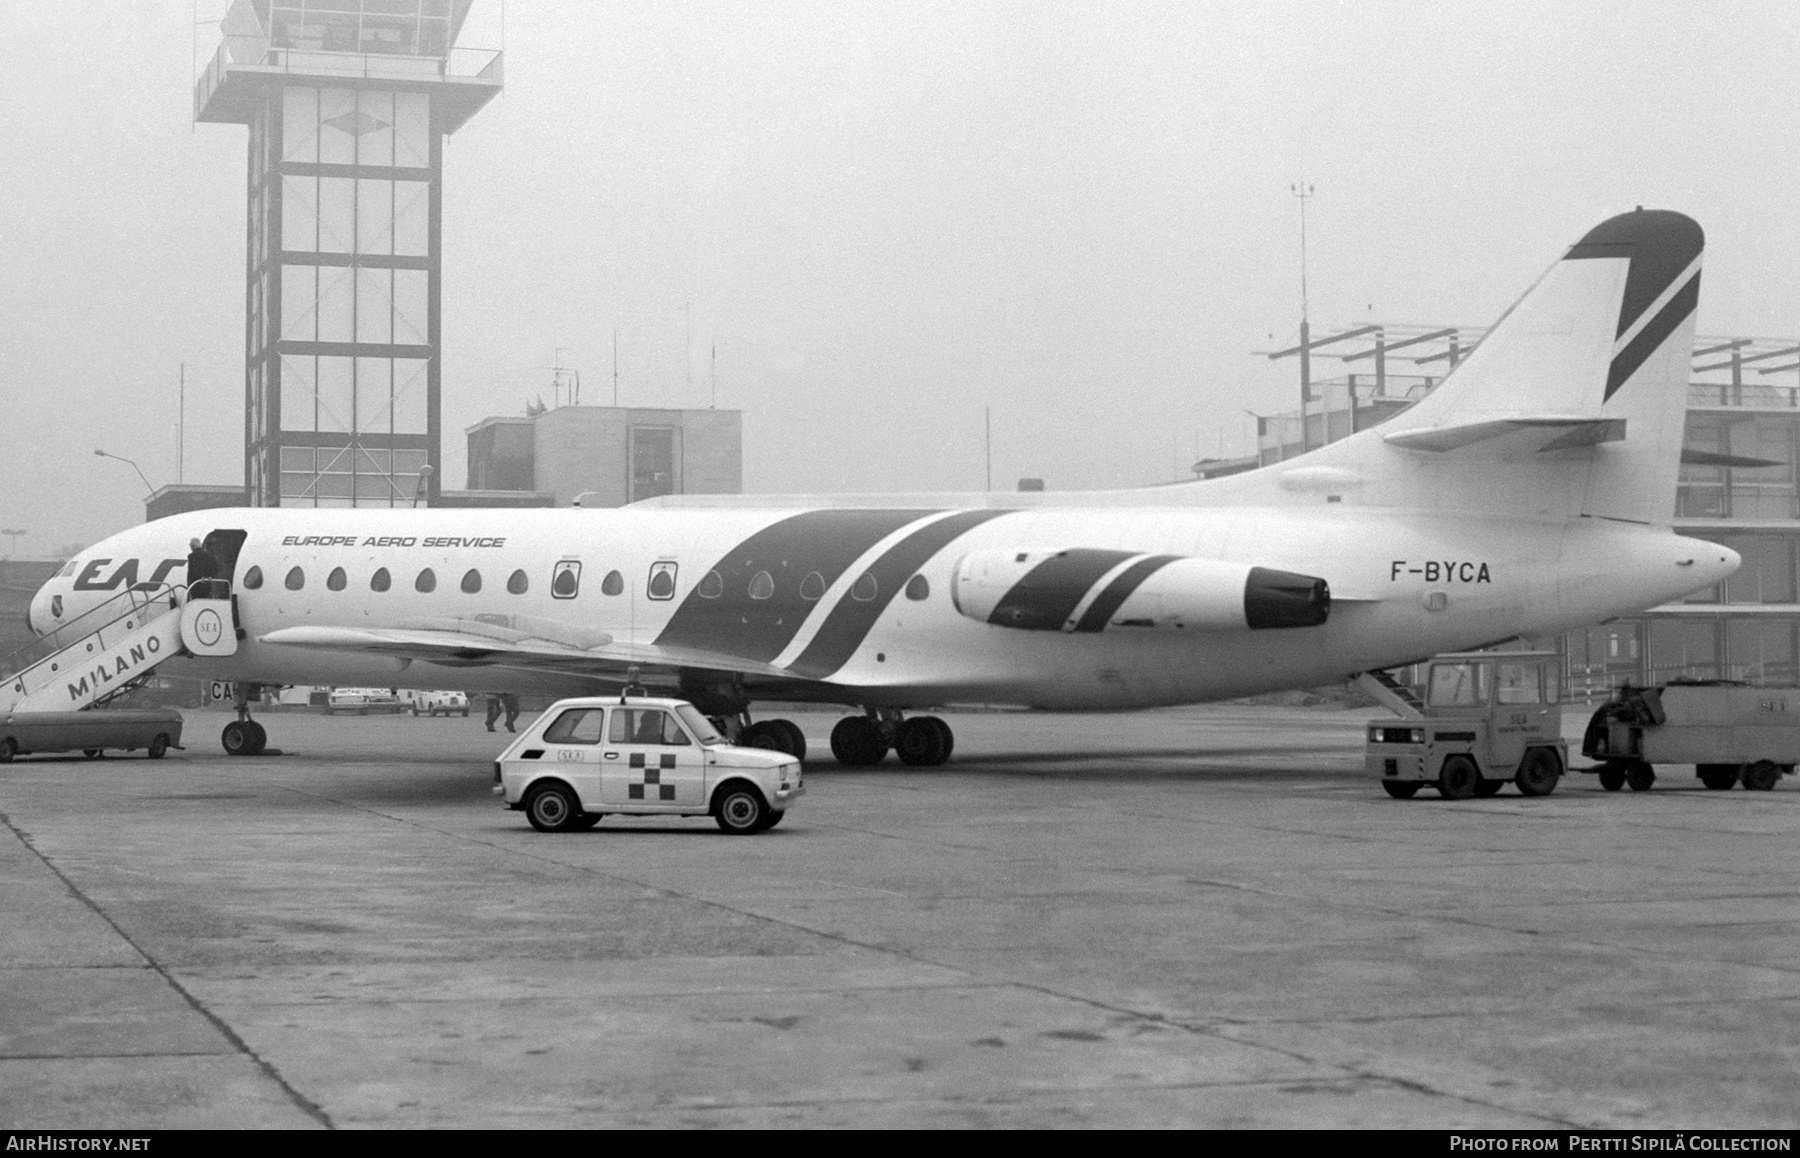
89 579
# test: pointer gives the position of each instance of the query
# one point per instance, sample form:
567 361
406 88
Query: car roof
618 701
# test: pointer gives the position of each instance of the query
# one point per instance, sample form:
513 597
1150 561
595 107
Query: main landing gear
243 736
863 741
775 735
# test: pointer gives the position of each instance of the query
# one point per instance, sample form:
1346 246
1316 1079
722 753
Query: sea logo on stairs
208 627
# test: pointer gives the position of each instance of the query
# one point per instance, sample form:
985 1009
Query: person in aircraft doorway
202 572
495 704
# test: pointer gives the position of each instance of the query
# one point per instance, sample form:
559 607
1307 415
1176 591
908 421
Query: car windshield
699 725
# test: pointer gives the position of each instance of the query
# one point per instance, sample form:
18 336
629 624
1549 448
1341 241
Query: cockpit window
68 569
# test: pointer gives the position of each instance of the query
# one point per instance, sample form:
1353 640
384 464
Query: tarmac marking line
305 1105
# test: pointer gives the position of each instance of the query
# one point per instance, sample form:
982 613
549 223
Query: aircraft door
224 545
649 759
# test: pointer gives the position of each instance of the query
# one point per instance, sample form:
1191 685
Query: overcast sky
886 217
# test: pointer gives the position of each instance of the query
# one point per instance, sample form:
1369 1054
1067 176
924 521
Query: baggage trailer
1488 719
1729 732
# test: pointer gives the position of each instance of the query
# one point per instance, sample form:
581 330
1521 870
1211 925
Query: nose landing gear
243 736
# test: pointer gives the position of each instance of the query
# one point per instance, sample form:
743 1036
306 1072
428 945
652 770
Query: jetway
87 661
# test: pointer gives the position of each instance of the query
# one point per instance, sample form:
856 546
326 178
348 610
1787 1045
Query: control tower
348 103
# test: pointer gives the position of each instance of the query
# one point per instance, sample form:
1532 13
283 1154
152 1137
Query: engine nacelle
1085 589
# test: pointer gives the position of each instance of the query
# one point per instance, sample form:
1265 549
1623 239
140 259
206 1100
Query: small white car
437 703
587 757
362 701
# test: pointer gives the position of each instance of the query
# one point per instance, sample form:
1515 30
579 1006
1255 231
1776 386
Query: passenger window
662 580
613 584
427 581
576 726
337 579
812 587
517 583
381 580
865 588
917 588
296 579
253 579
471 581
565 579
711 587
762 586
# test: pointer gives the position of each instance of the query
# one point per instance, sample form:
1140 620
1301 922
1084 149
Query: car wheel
159 744
775 818
1718 777
9 748
1612 777
1458 778
1538 772
740 810
1640 776
553 807
1761 776
1402 789
586 821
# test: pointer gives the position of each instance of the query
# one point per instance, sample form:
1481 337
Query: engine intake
1086 589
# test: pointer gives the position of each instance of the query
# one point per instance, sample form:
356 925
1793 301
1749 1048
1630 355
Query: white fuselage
1404 585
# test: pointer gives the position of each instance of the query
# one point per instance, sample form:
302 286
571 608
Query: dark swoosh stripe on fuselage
826 541
1119 590
1045 597
850 621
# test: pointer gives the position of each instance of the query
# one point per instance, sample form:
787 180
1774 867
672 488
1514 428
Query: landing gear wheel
159 744
920 743
237 738
259 738
553 807
1718 777
1640 776
9 748
857 742
1403 789
740 810
776 736
1458 779
1538 772
1761 776
944 730
1612 777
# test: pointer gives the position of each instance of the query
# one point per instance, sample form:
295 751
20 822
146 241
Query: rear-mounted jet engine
1083 589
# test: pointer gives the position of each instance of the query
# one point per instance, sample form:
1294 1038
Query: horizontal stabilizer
1692 457
1569 433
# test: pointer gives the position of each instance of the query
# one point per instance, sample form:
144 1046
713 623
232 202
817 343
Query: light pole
1304 190
148 489
12 533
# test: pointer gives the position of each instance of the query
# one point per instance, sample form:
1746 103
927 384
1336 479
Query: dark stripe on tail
1119 590
1627 361
850 621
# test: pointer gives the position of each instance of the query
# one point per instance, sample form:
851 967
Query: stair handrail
17 663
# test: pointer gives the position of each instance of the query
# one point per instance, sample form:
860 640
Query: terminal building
1743 401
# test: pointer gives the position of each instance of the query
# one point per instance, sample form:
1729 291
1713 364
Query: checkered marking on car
652 777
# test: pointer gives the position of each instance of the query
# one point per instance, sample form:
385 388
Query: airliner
1532 492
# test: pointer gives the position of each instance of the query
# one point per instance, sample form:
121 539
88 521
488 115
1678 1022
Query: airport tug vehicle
588 757
1487 718
1730 733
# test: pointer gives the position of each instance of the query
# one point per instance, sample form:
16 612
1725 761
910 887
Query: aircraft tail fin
1573 404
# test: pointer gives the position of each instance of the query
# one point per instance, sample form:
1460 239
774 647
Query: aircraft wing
468 645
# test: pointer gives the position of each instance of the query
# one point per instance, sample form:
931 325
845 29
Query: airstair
93 657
